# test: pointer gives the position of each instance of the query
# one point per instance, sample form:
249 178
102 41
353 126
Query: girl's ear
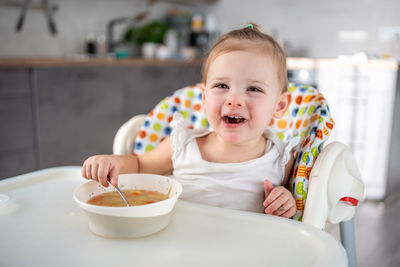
282 105
203 98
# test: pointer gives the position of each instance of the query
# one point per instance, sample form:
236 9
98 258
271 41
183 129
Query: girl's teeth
234 119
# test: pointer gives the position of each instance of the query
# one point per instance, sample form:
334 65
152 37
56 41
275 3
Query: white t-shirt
237 186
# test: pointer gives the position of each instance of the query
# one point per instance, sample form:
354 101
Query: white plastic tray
43 226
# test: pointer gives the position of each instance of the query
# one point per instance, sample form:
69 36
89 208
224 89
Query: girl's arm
158 160
107 167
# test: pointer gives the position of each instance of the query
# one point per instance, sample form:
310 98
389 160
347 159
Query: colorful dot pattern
187 101
308 116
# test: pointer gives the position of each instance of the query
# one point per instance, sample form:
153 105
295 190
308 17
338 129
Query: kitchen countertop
82 61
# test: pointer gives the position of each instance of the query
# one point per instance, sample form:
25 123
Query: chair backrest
308 116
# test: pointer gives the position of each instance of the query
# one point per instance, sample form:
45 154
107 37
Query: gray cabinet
17 137
144 87
78 112
60 116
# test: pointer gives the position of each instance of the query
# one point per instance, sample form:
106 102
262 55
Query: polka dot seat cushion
308 116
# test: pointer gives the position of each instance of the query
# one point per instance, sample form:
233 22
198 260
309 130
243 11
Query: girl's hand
278 201
101 168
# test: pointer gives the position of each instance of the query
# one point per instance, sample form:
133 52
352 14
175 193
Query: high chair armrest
124 139
335 187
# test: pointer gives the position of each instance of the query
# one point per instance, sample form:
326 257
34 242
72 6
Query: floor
377 233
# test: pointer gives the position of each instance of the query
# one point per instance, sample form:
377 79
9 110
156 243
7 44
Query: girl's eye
222 85
254 89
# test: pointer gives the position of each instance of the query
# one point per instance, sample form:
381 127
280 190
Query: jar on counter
198 36
91 45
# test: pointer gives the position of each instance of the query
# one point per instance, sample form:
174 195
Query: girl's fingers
283 208
276 205
101 168
268 186
288 208
94 169
102 174
88 171
83 170
275 194
291 212
114 176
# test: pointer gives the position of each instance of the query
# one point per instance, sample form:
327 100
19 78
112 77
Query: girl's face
242 95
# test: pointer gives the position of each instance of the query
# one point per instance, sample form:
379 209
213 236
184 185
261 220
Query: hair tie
249 26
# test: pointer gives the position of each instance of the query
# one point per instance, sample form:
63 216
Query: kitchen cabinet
78 110
60 116
17 137
146 86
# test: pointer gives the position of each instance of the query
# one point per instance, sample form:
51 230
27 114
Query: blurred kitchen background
311 28
72 71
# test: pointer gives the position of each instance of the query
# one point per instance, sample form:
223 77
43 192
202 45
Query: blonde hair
245 39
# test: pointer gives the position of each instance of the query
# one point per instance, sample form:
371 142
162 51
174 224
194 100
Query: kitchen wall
308 28
75 19
312 26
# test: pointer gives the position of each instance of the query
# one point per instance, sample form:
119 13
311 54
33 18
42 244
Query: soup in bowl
120 221
134 197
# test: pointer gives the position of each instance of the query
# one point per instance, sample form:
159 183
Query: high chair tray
42 226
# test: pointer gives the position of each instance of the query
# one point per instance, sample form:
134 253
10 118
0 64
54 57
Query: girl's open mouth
234 119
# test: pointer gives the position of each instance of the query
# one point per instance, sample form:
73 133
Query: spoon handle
121 194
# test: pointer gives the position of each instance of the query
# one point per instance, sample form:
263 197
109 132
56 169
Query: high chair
325 182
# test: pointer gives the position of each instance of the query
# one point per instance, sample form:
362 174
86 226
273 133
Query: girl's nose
234 100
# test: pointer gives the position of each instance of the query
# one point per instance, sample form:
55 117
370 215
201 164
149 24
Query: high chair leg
348 240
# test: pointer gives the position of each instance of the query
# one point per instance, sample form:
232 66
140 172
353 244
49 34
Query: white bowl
134 221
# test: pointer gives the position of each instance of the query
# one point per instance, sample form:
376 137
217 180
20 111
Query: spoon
120 193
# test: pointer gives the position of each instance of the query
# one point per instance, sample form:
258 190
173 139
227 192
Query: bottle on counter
101 48
211 27
199 37
172 43
91 45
